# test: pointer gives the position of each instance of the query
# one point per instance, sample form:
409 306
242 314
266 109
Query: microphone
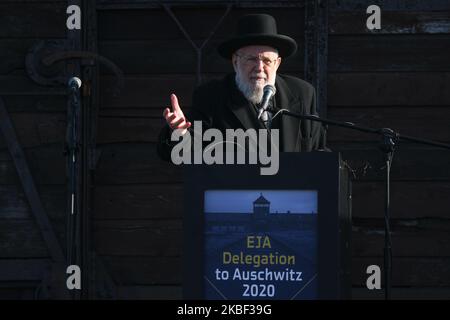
268 91
74 83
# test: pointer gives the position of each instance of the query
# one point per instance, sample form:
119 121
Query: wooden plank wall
396 77
38 114
138 197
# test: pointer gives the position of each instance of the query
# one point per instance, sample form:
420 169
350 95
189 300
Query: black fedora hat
258 29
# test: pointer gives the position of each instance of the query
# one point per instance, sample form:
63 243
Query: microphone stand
72 150
390 138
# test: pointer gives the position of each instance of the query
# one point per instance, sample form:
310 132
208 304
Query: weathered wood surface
346 53
47 165
169 57
161 201
409 200
154 292
13 58
410 5
411 237
391 53
12 54
138 270
411 162
432 124
402 293
420 89
23 269
19 84
14 204
406 272
417 267
137 4
38 129
139 163
33 20
125 238
18 290
133 262
131 124
35 104
29 185
392 22
21 238
335 5
398 77
146 167
151 21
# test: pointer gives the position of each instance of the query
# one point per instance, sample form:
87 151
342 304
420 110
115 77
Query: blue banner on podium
260 244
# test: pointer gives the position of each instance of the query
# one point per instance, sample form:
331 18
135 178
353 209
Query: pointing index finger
175 106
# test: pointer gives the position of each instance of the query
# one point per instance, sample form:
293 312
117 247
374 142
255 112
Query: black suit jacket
219 104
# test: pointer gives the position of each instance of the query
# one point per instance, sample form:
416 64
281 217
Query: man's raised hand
175 117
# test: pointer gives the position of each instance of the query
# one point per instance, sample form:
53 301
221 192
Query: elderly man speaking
234 102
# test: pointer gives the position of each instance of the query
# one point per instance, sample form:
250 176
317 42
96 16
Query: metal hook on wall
43 63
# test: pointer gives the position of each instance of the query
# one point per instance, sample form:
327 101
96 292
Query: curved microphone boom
268 91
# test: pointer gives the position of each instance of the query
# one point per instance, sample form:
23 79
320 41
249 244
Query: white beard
253 92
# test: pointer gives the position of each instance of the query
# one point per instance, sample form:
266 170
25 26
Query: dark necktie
266 116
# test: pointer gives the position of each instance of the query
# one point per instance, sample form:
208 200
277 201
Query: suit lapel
290 125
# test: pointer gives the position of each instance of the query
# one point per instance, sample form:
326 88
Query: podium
284 236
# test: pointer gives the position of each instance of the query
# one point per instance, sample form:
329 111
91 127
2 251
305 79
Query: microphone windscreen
268 88
74 81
